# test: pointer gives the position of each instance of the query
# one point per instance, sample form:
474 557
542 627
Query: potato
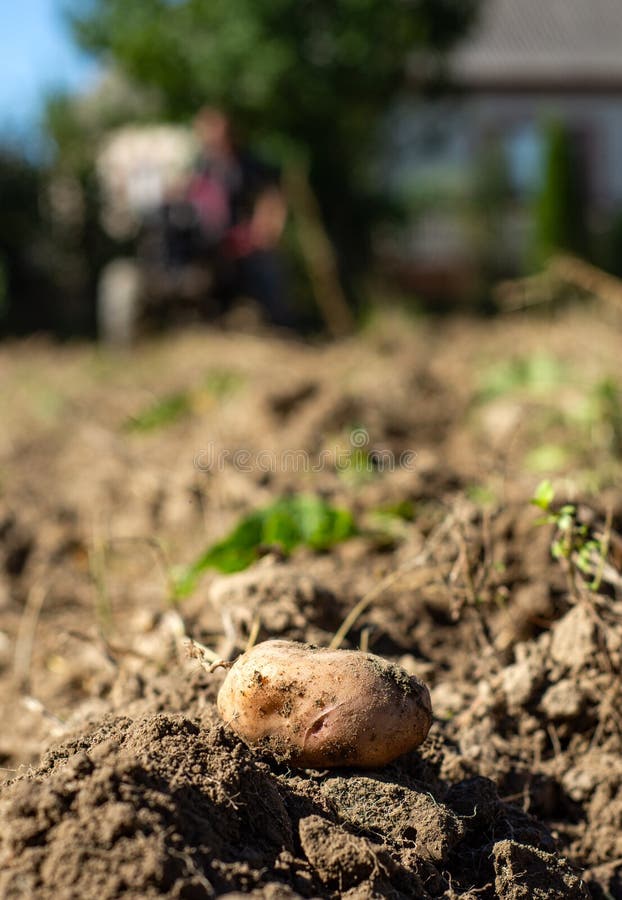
321 708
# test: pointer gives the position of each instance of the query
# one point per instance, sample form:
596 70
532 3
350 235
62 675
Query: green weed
582 552
297 520
218 384
160 413
535 374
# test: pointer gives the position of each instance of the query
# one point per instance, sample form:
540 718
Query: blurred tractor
171 270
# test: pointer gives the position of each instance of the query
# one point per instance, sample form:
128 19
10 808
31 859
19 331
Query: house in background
525 63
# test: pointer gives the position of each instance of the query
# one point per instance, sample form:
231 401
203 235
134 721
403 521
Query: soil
119 779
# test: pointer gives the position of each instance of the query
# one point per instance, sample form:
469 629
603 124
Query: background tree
307 79
488 207
560 216
25 296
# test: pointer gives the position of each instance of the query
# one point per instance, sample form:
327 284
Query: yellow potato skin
321 708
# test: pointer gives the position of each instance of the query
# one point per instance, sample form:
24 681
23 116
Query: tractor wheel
119 295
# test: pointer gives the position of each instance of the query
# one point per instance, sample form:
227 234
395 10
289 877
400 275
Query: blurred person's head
213 129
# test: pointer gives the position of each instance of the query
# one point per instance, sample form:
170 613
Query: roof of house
543 43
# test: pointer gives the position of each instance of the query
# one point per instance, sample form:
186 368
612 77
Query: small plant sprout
581 551
291 521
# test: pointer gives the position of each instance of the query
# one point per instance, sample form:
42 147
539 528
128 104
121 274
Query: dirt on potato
119 779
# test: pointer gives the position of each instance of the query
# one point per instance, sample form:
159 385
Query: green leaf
543 495
536 374
547 458
290 522
161 412
565 520
558 551
550 519
403 509
481 494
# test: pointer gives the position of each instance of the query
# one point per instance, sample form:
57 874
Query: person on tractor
211 239
240 210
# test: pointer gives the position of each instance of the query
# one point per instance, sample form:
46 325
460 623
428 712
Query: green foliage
606 398
387 525
4 290
560 208
548 457
161 412
357 467
492 193
20 186
292 521
586 427
24 296
280 65
482 494
79 246
307 80
76 125
538 373
220 383
404 510
610 247
567 422
217 385
573 542
543 495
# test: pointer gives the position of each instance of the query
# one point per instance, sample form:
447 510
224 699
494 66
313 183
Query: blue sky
37 54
